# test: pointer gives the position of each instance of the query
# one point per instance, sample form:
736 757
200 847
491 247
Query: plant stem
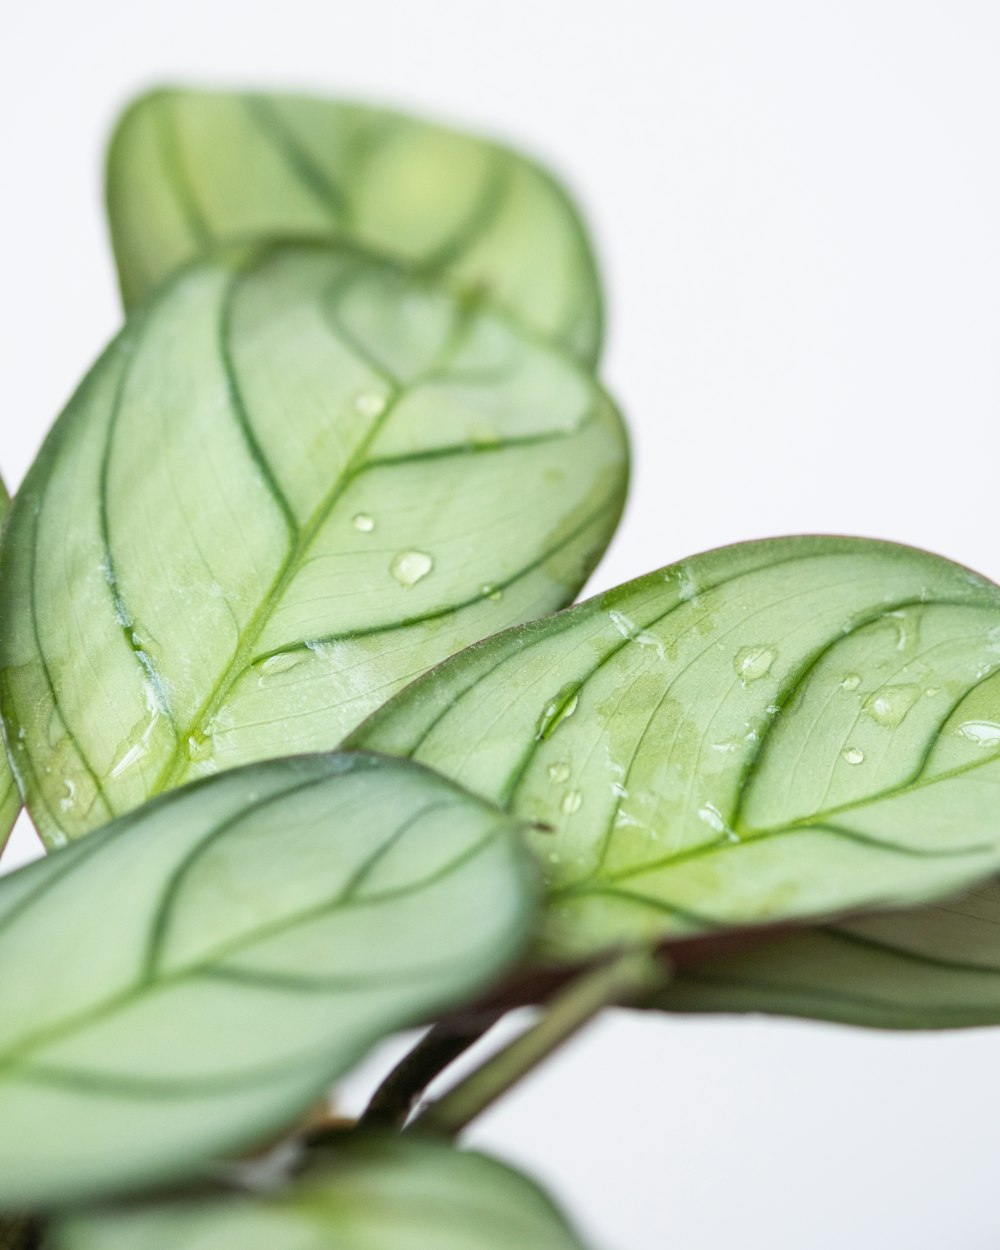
395 1098
620 980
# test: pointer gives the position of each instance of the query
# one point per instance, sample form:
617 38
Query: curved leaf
782 729
189 168
394 1193
190 978
295 481
933 967
10 800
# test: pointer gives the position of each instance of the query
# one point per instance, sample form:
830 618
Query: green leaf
390 1192
190 168
189 980
297 479
933 967
785 729
10 800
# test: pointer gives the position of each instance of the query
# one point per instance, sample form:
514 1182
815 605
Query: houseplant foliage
190 168
10 803
282 689
363 473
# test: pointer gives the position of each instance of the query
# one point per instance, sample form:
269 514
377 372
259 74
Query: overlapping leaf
189 168
783 729
10 802
295 481
189 979
932 967
393 1193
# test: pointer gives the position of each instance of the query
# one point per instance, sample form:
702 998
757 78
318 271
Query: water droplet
370 403
931 691
69 798
558 772
280 663
984 733
199 746
687 587
851 681
276 665
625 626
572 802
726 747
753 663
408 567
889 705
363 523
491 592
907 630
131 756
618 790
712 817
853 755
557 710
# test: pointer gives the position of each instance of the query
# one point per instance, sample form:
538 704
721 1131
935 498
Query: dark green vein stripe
791 687
177 176
731 846
266 117
127 623
240 414
613 502
816 1002
482 215
918 958
17 1055
159 924
50 686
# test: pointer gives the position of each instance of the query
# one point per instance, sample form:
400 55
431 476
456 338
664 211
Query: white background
797 206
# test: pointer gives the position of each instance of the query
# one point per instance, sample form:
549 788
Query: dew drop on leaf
408 567
984 733
363 522
370 403
753 663
889 705
853 755
572 802
557 710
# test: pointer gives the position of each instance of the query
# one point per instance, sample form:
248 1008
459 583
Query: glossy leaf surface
191 168
393 1193
785 729
295 481
190 979
10 801
933 967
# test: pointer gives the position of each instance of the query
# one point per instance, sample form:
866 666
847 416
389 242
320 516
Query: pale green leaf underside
784 729
295 481
10 801
189 979
188 169
390 1193
932 967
